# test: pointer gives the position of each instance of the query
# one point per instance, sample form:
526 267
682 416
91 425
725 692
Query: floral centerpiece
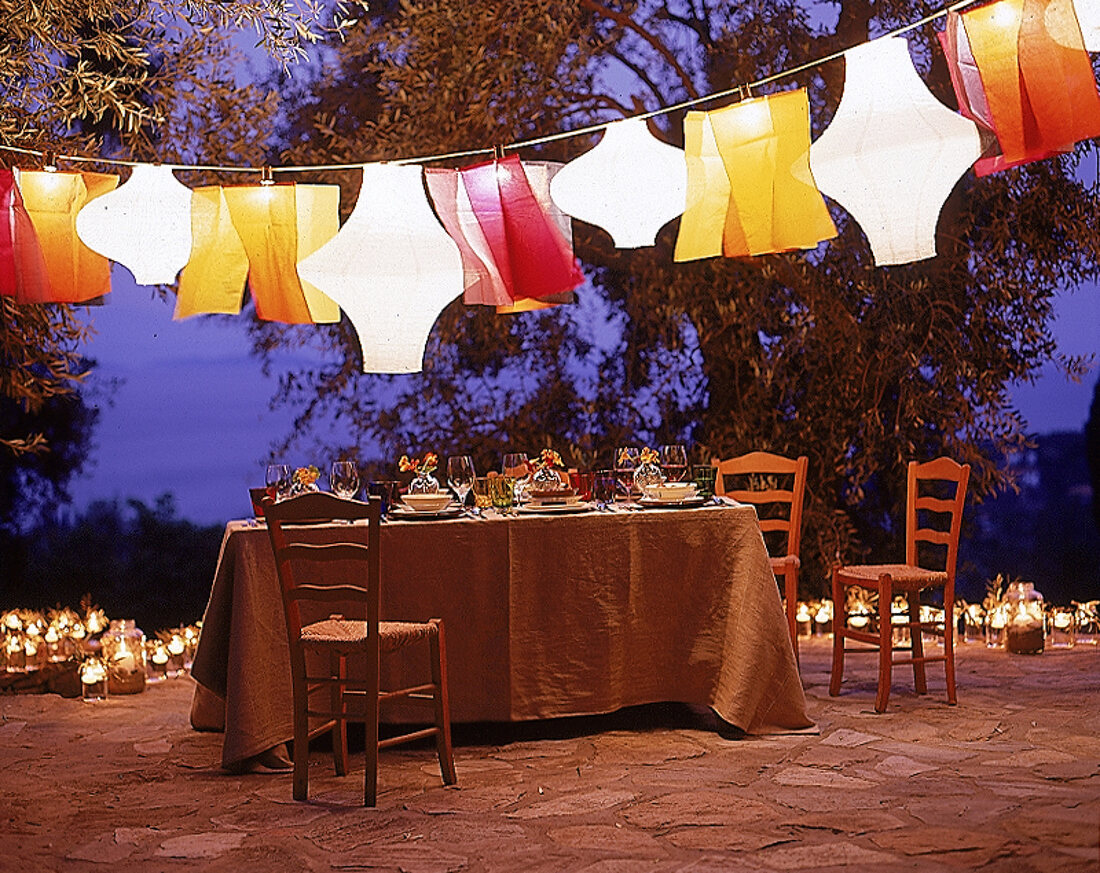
304 479
545 479
648 471
423 482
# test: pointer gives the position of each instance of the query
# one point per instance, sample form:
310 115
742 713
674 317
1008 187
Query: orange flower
548 458
416 465
647 456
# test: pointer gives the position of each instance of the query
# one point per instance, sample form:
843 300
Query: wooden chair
932 518
760 486
292 525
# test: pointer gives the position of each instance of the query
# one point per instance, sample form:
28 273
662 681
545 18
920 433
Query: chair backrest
934 509
293 528
761 484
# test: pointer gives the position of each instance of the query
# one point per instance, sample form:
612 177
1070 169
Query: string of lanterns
747 182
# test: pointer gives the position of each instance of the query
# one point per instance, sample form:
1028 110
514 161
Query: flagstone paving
1008 780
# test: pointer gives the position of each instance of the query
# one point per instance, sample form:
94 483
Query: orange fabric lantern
213 279
22 268
774 205
1036 77
279 225
74 273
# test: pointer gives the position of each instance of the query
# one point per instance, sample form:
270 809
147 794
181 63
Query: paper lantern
74 273
541 176
482 281
533 257
708 192
145 225
892 153
22 267
392 268
213 280
774 205
1088 17
1037 83
278 226
631 184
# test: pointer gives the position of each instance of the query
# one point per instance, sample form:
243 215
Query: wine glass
516 466
277 481
344 479
674 462
460 476
626 459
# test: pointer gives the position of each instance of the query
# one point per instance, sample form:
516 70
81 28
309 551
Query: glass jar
124 651
424 483
94 683
1024 631
1062 627
647 474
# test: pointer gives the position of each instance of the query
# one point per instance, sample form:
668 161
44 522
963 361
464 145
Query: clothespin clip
266 177
49 161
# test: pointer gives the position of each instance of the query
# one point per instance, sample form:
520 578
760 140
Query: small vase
646 475
424 483
546 479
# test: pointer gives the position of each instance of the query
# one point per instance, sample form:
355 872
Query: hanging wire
744 89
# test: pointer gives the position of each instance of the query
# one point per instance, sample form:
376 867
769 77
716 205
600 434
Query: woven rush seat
344 634
903 575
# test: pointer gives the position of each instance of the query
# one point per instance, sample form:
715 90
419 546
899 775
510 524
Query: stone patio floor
1008 780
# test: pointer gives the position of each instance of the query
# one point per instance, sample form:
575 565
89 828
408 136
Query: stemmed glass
460 476
674 462
344 479
516 466
625 460
277 481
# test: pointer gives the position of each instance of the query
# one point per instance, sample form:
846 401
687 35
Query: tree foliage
816 353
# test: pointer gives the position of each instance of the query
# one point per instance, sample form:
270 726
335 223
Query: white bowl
671 491
427 502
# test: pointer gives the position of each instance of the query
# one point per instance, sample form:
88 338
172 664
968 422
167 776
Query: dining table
547 614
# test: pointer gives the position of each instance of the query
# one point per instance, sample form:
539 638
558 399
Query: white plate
666 504
554 508
406 512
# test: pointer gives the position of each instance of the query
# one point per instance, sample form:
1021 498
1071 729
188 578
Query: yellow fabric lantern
774 203
708 192
278 226
631 184
392 268
74 273
213 279
145 225
893 152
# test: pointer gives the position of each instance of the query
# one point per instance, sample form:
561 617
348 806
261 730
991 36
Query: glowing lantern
392 268
531 253
74 273
278 226
893 152
774 204
1088 17
145 225
708 193
631 184
541 176
1037 86
213 280
22 267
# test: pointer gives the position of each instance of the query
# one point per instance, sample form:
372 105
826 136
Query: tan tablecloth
545 616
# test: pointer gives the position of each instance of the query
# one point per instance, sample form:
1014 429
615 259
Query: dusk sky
189 412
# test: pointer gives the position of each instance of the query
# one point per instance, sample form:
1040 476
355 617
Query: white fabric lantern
145 224
392 268
893 152
631 184
1088 16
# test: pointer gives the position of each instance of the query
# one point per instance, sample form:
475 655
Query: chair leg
438 646
916 640
300 778
840 621
370 751
338 667
885 642
949 648
790 593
